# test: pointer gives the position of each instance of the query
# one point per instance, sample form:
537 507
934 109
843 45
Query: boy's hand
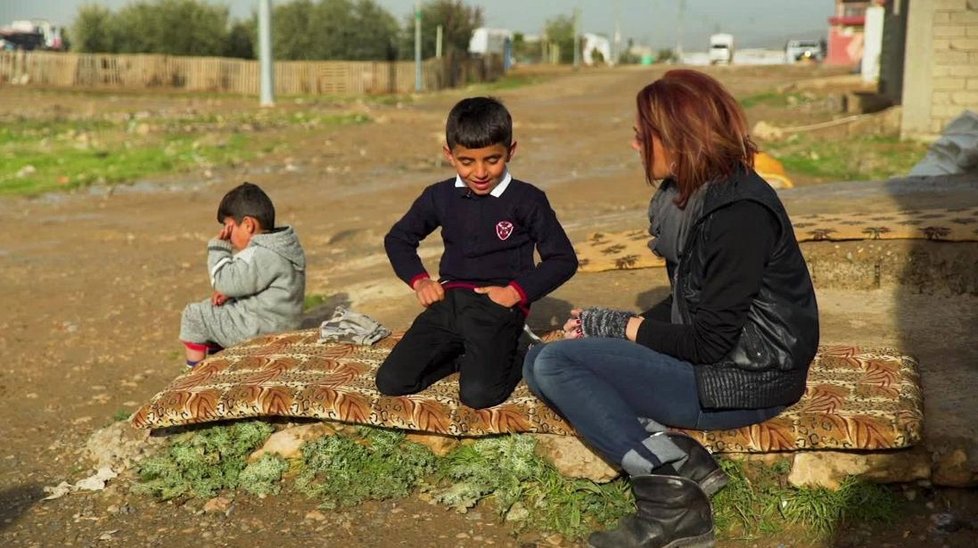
503 296
225 233
218 298
428 291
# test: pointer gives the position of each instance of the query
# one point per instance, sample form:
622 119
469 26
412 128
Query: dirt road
93 284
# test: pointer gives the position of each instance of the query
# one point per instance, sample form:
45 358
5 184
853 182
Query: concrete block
966 17
949 31
965 98
972 84
964 44
949 83
951 57
971 30
950 5
941 98
920 266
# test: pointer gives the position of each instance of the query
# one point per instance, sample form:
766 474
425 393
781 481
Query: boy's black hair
479 122
247 200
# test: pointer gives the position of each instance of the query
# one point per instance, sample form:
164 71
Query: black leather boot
671 512
701 467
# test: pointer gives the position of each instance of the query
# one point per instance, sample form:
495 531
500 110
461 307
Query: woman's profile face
661 158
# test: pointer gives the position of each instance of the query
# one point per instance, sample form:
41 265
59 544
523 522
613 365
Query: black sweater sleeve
401 243
738 246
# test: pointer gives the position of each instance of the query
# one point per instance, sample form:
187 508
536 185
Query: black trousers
465 332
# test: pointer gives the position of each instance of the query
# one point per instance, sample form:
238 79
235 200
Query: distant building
486 41
596 49
845 43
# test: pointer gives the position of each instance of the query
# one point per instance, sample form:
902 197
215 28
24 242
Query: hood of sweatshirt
284 242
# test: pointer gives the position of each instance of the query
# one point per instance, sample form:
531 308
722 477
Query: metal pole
577 37
438 39
616 41
265 53
418 85
679 32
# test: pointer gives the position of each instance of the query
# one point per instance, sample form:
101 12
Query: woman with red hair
730 346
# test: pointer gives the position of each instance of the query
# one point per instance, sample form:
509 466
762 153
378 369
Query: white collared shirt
495 192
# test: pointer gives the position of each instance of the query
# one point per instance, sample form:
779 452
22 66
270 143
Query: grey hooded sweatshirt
265 284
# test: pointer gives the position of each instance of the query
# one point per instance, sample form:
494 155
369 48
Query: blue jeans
603 387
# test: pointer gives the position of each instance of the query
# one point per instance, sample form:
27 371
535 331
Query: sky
658 23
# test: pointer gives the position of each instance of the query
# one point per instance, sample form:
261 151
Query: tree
457 20
176 27
333 29
560 31
92 30
242 38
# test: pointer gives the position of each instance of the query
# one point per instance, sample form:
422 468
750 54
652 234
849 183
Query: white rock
573 459
829 468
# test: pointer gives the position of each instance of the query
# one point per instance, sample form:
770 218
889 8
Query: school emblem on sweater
504 229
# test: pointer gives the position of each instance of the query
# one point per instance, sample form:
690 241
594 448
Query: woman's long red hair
700 123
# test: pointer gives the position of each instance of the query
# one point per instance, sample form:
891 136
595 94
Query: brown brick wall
955 60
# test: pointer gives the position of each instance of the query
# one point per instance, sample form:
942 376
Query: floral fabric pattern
856 398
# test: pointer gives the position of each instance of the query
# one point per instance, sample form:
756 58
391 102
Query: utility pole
265 53
679 31
438 39
418 85
577 37
616 40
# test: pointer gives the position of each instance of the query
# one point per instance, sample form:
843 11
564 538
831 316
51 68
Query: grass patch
863 158
509 81
121 415
507 473
312 301
758 501
775 99
504 473
201 463
41 156
376 465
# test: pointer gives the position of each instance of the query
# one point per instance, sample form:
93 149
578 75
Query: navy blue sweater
488 240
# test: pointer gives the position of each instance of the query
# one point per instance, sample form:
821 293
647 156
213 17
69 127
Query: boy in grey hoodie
258 290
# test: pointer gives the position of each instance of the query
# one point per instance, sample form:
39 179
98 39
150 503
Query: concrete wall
941 65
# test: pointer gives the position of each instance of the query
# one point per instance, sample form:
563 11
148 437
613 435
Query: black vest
768 365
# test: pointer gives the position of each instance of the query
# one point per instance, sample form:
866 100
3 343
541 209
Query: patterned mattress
629 249
856 398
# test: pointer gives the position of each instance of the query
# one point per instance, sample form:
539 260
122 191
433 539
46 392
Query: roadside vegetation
809 157
501 475
41 155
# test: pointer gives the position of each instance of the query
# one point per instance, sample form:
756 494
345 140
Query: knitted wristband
604 322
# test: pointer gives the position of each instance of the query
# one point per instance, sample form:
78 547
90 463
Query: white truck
721 49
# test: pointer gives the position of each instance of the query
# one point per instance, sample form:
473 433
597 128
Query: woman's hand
572 327
631 330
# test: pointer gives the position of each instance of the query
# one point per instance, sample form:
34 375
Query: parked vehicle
803 50
721 49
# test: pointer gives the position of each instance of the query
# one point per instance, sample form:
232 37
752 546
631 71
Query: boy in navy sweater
490 224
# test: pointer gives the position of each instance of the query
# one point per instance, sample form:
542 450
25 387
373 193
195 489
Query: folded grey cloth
353 327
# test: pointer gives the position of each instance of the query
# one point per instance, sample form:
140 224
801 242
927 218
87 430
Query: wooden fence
218 74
